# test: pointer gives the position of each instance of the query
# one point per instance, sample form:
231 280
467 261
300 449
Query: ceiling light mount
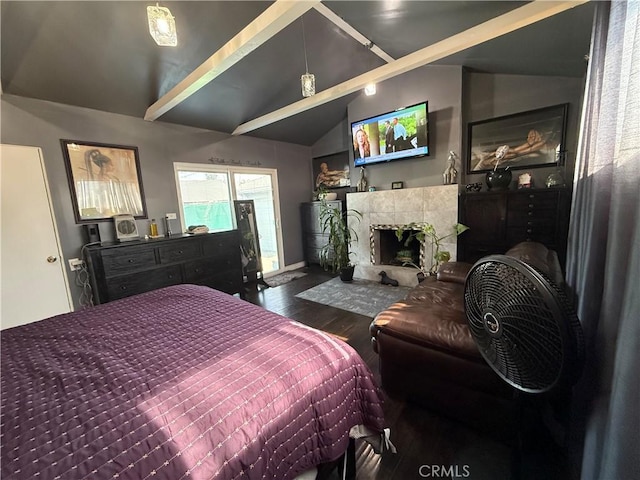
162 26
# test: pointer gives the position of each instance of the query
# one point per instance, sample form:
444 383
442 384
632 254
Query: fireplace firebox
386 249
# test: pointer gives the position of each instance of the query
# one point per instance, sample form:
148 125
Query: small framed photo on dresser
397 185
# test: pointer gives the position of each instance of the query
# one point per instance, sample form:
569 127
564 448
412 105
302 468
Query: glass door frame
230 171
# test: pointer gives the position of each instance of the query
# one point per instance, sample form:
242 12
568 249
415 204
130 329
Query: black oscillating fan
528 333
523 325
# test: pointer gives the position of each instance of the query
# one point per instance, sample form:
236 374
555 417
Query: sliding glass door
206 194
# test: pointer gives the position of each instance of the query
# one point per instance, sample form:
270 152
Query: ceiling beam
268 24
515 19
340 23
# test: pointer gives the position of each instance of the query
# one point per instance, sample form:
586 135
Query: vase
329 196
555 179
499 179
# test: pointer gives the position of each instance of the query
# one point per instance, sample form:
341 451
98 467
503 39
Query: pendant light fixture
308 80
162 26
369 88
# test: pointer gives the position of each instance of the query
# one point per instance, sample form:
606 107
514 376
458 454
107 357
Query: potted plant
426 231
335 254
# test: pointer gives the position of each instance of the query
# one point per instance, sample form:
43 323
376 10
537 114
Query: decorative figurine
450 173
387 280
362 183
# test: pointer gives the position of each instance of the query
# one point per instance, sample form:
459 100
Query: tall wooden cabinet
500 220
313 238
122 269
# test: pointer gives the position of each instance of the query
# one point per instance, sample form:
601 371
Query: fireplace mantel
436 205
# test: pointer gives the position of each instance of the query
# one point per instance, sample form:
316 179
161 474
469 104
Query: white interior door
33 282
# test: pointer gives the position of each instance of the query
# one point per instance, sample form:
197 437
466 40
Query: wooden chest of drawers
500 220
313 236
118 270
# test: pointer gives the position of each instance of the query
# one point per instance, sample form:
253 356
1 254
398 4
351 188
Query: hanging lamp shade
162 26
308 81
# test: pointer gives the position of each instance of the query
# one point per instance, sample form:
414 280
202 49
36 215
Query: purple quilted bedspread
179 383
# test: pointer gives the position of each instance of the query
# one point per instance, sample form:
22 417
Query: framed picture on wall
523 140
104 180
332 171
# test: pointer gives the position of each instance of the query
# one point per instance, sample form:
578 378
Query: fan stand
539 426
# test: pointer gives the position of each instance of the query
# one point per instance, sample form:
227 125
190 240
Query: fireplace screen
386 249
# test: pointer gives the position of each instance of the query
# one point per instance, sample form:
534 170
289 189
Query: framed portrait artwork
331 171
104 180
523 140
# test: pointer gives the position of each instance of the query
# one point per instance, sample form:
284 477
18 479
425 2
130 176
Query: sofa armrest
455 272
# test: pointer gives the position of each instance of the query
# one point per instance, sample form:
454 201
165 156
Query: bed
184 382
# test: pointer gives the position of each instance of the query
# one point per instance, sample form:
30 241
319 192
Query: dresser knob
131 260
531 195
530 214
529 230
123 287
531 205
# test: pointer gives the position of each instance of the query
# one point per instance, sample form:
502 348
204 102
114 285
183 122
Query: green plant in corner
335 254
426 231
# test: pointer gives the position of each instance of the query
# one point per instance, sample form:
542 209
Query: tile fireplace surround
435 205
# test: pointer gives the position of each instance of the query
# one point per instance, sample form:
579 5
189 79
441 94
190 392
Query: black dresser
500 220
313 238
122 269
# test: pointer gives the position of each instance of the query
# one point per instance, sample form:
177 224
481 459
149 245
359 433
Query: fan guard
522 324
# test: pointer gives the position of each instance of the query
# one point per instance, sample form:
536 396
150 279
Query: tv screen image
403 133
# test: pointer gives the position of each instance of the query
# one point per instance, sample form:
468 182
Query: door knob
51 259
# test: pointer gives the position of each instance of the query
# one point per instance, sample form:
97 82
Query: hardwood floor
429 445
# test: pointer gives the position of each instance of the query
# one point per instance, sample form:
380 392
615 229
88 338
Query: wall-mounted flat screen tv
403 133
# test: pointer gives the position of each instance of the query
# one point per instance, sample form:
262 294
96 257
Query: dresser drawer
179 252
532 219
533 201
221 245
126 285
543 234
316 241
117 261
196 270
226 282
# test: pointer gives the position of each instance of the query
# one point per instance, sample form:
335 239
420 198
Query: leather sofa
427 354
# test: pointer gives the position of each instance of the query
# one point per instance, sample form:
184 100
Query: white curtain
603 264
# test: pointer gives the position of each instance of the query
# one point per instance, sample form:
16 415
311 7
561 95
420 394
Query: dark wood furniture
313 238
500 220
122 269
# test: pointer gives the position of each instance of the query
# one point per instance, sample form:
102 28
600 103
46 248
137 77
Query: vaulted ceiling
99 55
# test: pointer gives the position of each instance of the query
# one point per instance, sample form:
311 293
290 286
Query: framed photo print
397 185
104 180
523 140
332 171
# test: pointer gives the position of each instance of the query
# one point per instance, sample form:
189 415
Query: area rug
283 278
360 296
